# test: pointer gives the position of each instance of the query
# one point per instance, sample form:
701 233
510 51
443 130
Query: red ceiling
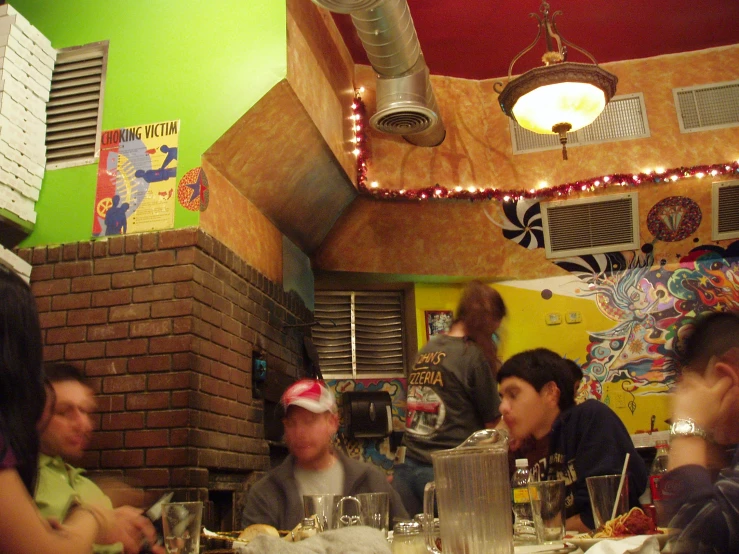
477 39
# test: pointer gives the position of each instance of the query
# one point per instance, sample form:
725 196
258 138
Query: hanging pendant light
561 96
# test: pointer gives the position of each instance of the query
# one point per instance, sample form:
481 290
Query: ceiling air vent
706 107
591 225
402 107
725 224
624 118
74 111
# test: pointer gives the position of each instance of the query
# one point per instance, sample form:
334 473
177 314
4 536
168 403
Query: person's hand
706 401
130 527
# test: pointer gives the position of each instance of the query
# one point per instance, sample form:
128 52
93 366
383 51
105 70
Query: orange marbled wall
320 71
238 224
478 151
455 237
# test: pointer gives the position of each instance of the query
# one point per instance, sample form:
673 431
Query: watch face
683 427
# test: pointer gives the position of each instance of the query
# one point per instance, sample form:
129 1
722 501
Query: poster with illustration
437 322
137 179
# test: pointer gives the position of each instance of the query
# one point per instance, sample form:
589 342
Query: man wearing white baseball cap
313 465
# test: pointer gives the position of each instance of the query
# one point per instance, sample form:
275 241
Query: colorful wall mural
648 299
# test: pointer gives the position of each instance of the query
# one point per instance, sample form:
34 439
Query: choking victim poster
137 179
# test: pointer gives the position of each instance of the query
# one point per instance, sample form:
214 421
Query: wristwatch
686 427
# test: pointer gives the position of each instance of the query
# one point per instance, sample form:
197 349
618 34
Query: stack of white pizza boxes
26 65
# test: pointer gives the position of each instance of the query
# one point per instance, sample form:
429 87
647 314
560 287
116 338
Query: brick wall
164 325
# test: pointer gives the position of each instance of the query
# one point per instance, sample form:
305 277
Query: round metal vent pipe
406 104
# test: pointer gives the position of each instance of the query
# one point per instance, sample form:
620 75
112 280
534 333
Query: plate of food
631 524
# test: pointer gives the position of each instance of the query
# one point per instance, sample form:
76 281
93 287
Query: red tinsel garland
361 149
595 183
459 193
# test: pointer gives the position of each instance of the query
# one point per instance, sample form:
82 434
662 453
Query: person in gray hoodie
313 466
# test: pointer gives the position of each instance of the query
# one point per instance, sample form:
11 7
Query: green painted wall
204 63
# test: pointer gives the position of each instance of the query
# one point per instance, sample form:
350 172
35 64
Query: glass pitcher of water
473 494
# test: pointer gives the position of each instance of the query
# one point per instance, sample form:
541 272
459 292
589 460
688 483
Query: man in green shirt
64 439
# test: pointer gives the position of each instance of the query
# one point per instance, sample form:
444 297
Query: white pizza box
22 117
27 172
30 132
29 55
23 95
16 34
20 75
18 185
35 171
9 16
14 58
27 145
15 155
10 174
17 204
16 263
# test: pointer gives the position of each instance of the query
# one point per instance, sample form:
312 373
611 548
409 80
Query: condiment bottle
408 538
307 529
659 468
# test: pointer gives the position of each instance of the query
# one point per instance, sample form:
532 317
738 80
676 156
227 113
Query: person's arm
696 503
705 401
601 450
260 508
22 530
575 523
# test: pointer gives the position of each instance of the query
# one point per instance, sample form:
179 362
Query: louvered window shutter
74 111
367 340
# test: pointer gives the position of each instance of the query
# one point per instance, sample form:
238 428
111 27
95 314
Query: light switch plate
553 319
573 317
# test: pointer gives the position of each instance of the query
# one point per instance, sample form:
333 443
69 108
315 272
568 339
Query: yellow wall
526 327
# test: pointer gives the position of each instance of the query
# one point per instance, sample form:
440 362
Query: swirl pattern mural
651 307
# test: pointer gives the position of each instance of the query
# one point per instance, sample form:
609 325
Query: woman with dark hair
22 403
451 390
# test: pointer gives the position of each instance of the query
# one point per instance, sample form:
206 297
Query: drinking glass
548 507
332 511
602 490
181 525
375 510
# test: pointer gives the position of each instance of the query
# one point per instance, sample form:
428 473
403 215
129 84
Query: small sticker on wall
674 218
193 191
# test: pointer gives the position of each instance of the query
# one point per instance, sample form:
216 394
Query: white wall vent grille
624 118
706 107
591 225
725 220
75 108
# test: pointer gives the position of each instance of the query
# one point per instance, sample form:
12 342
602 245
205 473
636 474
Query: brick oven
165 326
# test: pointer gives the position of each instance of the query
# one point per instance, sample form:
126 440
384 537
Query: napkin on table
639 544
357 540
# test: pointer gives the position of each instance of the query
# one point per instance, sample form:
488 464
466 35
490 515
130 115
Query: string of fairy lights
472 193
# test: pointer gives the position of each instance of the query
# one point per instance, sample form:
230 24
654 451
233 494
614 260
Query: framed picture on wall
437 322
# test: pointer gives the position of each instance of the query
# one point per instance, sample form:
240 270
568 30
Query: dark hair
575 370
711 334
62 371
478 305
539 367
22 390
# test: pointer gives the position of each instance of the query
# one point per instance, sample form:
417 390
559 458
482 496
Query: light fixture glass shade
575 103
568 92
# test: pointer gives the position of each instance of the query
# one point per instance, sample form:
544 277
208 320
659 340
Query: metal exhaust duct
406 104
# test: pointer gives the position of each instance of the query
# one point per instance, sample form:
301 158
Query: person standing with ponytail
451 390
